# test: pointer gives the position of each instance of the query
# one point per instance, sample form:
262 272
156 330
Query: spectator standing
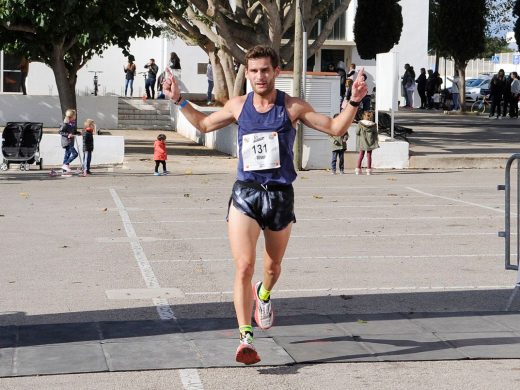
149 85
421 88
496 91
437 94
430 88
408 85
352 74
367 140
507 95
68 130
340 70
209 75
455 91
515 95
88 144
129 70
24 71
175 64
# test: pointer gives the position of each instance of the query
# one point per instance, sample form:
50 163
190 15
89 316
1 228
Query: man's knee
245 270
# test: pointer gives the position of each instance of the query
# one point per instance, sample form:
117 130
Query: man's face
261 75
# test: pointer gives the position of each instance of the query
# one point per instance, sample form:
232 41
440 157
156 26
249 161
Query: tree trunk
229 72
240 81
461 67
66 83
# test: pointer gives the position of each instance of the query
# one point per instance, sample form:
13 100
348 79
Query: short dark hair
261 51
161 137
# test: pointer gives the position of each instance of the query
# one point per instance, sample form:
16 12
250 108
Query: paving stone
455 322
146 330
485 345
506 319
210 328
388 323
221 352
59 359
6 361
409 347
70 333
312 325
8 336
328 349
148 355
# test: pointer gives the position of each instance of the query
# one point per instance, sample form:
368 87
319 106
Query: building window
340 28
10 74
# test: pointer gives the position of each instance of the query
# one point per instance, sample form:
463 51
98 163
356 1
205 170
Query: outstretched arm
338 126
204 123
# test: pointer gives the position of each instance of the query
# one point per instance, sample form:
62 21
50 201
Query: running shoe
264 315
65 168
246 352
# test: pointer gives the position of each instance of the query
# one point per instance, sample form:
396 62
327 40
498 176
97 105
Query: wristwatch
353 103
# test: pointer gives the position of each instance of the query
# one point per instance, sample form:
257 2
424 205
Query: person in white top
455 91
515 95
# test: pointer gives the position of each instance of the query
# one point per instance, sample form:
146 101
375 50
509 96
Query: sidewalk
458 141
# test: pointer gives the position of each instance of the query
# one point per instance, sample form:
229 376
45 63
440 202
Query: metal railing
506 233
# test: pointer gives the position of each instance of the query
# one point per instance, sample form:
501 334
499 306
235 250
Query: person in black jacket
149 84
68 130
496 91
421 87
507 94
88 144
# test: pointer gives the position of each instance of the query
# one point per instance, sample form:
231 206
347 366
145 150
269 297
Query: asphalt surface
109 259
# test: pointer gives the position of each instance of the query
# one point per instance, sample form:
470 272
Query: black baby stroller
21 145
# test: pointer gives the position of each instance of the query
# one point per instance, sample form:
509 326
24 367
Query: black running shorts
271 206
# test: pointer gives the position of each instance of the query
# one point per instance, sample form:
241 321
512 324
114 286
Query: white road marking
367 257
189 377
296 236
165 313
327 291
456 200
144 293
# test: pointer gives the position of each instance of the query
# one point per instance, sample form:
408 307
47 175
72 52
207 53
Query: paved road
97 250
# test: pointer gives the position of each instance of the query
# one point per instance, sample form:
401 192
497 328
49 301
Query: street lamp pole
297 79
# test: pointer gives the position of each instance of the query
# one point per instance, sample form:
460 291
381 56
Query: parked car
474 87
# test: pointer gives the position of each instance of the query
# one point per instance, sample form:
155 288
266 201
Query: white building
412 49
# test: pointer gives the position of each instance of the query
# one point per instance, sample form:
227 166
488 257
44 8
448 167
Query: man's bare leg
275 246
243 235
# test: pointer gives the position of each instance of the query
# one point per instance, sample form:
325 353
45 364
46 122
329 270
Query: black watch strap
353 103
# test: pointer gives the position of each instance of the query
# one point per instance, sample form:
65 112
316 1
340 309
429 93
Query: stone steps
144 114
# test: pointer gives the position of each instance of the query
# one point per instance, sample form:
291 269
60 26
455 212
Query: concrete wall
108 150
41 80
46 109
223 140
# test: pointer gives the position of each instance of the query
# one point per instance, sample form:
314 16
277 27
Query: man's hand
359 88
170 86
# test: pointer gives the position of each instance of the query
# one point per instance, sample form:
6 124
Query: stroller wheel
26 166
3 167
22 167
41 164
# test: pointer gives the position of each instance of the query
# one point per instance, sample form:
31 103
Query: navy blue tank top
276 119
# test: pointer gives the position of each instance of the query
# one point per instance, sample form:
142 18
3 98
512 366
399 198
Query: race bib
260 151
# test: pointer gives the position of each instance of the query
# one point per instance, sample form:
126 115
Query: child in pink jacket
159 154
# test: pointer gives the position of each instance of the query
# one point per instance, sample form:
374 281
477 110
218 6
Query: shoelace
265 308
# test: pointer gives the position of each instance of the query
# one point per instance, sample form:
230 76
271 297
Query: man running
262 197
